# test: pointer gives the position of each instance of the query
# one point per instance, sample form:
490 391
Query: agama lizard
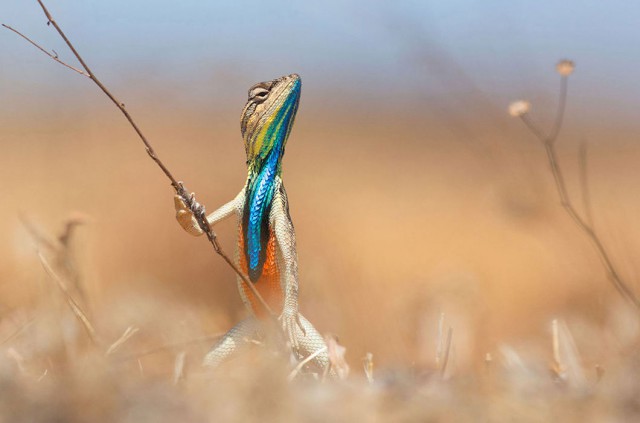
266 249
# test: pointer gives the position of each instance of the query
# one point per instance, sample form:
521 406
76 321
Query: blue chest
259 197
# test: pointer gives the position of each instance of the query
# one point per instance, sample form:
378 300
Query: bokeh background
413 192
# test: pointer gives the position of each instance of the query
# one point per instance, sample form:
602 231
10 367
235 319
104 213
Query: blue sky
370 51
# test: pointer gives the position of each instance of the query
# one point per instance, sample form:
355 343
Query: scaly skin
266 238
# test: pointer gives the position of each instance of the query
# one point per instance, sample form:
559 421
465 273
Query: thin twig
565 200
197 210
178 367
440 339
562 103
367 362
584 183
73 305
447 353
534 128
128 333
325 372
54 56
171 347
64 260
555 348
17 332
40 238
300 365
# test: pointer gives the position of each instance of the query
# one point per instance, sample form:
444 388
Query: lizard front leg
185 217
286 241
310 341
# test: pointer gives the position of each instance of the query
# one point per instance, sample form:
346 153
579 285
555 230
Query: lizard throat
261 185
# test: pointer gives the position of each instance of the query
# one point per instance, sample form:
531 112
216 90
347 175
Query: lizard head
268 116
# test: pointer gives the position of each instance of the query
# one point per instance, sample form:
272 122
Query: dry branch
73 304
585 224
197 210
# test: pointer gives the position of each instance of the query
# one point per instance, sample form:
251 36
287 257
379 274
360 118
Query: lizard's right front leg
185 217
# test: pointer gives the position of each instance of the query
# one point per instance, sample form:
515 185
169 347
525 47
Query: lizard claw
185 214
299 322
289 322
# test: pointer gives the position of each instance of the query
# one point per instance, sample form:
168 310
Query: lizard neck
265 123
261 187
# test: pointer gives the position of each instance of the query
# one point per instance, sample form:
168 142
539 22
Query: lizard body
266 239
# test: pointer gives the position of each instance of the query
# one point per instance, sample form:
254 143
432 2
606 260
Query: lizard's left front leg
288 263
303 337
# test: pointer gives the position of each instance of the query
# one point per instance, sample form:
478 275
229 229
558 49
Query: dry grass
50 372
456 283
157 298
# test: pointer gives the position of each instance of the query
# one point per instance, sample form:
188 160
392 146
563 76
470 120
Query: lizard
266 247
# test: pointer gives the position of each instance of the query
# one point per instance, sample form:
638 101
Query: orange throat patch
268 285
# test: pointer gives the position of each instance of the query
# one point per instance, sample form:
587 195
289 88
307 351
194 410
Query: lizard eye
259 93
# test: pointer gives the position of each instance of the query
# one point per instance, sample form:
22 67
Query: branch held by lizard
197 210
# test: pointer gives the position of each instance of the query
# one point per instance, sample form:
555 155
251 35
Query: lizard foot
290 323
185 217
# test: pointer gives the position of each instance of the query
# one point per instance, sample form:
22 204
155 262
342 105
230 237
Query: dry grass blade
73 305
171 347
128 333
368 366
440 341
301 364
17 332
336 354
567 362
178 367
14 355
584 183
447 353
40 239
558 369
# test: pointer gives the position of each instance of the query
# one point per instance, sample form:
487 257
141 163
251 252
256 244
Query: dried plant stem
40 239
197 210
555 347
447 353
73 304
301 364
367 362
17 332
178 367
128 333
562 105
172 347
54 56
583 224
584 184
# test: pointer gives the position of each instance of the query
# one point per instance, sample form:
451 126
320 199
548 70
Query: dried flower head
565 67
519 108
336 356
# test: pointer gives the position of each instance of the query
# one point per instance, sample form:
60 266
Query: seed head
565 67
519 108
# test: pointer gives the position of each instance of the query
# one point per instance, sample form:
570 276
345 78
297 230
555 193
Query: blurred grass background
412 191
